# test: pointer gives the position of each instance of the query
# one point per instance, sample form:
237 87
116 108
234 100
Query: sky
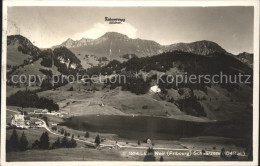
230 27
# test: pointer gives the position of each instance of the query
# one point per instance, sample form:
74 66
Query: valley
200 116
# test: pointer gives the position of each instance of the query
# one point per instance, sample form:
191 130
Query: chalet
38 123
45 111
58 114
18 121
155 89
41 111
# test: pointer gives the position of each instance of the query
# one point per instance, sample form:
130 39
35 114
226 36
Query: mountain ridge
113 45
138 46
246 58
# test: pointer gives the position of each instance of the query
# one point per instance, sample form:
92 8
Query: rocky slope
246 58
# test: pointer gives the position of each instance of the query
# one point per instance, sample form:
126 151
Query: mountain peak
114 35
69 40
19 38
84 40
119 44
203 47
207 43
23 43
247 58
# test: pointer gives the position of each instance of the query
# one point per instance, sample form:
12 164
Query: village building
18 121
41 111
54 124
38 123
58 114
155 89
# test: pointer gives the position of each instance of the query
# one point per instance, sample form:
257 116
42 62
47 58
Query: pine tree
44 141
62 131
23 142
97 140
87 135
36 144
64 142
56 144
72 143
13 143
161 158
150 155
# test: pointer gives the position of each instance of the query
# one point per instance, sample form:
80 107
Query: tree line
16 144
31 99
21 144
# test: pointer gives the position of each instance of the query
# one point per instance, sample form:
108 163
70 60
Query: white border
253 3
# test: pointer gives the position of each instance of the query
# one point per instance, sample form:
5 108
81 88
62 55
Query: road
103 145
112 145
92 143
13 111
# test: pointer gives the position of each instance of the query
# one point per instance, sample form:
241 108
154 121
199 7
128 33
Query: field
15 57
84 154
123 154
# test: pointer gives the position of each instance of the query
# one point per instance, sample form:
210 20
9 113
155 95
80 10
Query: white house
18 121
155 89
41 111
38 123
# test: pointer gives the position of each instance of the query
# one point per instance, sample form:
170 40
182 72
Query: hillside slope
216 101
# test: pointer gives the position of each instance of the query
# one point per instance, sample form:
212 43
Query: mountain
23 58
69 43
246 58
114 45
215 100
203 47
20 50
209 100
66 61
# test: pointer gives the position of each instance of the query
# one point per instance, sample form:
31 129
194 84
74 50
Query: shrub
145 107
54 128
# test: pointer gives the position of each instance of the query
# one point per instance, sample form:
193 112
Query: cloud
99 29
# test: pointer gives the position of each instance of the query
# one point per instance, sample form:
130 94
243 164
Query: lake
142 127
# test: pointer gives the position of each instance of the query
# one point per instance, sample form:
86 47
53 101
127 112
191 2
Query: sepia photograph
173 82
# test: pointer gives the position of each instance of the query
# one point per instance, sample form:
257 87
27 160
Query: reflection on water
142 127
